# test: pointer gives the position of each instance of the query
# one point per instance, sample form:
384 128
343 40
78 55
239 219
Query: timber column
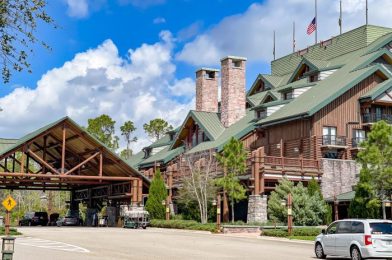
257 204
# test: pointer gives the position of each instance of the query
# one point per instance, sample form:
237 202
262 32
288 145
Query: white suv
356 238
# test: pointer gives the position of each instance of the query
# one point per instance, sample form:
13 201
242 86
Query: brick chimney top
234 58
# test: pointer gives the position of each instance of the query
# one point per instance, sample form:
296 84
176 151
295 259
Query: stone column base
257 208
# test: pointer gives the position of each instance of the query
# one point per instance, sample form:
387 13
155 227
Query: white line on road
50 244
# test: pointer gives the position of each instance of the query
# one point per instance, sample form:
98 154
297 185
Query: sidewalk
257 236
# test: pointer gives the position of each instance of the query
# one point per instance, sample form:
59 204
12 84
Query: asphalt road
116 243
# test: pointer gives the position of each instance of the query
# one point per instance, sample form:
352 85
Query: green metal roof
273 103
164 156
239 129
327 90
343 197
378 90
345 43
136 159
5 144
165 140
259 97
296 84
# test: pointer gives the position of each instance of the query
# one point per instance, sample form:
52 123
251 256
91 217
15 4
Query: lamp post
216 203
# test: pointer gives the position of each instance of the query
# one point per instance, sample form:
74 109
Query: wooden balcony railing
373 118
299 163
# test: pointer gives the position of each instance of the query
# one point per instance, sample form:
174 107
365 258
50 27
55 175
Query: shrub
183 224
297 232
275 233
156 194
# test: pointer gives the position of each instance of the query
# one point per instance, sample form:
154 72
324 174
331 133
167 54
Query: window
261 114
381 228
359 136
329 130
313 78
288 95
344 227
332 229
357 227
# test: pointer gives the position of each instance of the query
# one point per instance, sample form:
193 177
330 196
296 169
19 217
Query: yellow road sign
9 203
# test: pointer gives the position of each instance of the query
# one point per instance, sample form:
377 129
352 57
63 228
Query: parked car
72 218
53 219
356 238
34 219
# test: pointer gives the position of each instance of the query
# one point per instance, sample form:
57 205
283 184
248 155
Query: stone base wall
339 176
257 208
228 229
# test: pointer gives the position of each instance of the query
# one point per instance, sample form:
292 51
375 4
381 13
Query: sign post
7 248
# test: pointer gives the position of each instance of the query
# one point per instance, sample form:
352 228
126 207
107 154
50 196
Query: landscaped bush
297 232
275 233
183 224
13 231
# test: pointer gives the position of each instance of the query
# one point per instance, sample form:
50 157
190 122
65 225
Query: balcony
356 141
373 118
334 140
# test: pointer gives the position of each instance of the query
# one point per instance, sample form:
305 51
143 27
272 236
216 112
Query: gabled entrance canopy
63 156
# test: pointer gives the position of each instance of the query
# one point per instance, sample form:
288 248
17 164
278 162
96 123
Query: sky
136 59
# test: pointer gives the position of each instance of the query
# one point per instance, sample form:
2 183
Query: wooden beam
71 177
22 160
35 156
100 164
48 147
44 152
80 164
63 150
17 161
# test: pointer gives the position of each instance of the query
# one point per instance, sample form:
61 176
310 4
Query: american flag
312 27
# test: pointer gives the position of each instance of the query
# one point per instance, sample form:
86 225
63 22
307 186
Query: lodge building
306 119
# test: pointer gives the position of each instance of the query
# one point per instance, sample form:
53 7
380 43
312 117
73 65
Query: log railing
284 162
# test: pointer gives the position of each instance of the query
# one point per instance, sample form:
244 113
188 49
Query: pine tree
156 194
314 187
233 160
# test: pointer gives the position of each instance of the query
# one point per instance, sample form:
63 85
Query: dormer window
314 78
260 114
171 136
288 95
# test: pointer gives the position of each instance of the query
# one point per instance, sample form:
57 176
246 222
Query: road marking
49 244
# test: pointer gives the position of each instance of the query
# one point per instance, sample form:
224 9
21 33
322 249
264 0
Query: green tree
103 128
233 160
156 194
156 128
18 25
126 130
365 204
307 209
314 187
376 173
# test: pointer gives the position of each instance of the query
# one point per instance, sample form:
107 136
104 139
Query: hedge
183 224
300 232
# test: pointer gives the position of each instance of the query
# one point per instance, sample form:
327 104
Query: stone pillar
91 217
257 208
233 98
111 213
207 90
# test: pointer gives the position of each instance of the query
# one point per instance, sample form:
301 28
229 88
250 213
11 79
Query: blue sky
136 59
127 25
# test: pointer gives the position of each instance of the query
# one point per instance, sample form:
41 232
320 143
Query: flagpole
315 10
274 46
340 17
367 10
293 36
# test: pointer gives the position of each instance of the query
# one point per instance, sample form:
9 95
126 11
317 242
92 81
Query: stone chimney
207 90
233 99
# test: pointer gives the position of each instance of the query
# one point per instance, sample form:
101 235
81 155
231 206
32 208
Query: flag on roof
312 26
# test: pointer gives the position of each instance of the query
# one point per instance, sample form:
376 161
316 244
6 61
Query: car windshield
381 228
29 215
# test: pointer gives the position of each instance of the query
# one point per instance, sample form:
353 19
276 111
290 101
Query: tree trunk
384 213
232 211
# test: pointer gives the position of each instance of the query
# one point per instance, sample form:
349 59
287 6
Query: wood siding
344 109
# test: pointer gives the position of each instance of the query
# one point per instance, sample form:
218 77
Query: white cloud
250 33
159 20
77 8
98 81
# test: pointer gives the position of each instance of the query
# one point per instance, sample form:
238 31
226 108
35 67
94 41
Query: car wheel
355 253
319 251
